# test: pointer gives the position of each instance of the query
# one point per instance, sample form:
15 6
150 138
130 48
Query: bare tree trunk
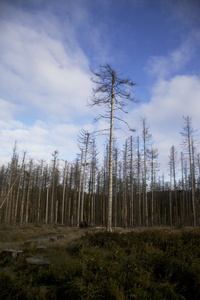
55 154
63 195
125 187
170 198
84 171
109 214
116 174
39 196
28 193
145 173
18 191
183 214
187 134
22 202
152 189
132 208
139 188
47 201
79 191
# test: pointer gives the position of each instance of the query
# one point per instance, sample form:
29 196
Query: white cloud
41 72
176 60
170 101
45 76
39 140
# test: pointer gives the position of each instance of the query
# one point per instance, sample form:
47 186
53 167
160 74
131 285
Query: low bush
152 264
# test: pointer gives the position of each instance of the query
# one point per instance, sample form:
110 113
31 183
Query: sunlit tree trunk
79 190
183 214
153 153
116 175
125 188
110 195
145 136
84 172
39 196
187 135
170 197
132 208
63 194
23 197
28 193
18 190
139 187
47 201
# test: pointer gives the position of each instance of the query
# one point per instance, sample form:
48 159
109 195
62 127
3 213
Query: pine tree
111 91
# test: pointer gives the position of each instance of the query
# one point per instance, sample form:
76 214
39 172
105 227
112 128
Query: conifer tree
113 92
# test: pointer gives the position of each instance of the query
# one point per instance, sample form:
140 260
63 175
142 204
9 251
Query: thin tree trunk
139 188
84 171
28 194
132 209
18 191
125 187
63 195
39 196
47 201
22 202
109 212
79 191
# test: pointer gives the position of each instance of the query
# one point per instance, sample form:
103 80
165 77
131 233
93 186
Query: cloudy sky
47 50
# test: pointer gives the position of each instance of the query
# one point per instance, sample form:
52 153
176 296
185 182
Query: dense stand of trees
123 190
69 192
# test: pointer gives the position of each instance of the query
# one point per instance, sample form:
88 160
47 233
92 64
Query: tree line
124 189
70 192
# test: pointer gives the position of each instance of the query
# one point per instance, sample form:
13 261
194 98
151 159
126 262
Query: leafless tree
113 92
146 136
188 135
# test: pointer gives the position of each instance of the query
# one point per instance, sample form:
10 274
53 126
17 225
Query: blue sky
48 48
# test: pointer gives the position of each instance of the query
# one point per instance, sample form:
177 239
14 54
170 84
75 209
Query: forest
125 189
70 192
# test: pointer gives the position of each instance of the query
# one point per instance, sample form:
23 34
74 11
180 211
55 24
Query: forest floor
50 262
15 236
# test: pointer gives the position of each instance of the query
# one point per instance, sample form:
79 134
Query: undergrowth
152 264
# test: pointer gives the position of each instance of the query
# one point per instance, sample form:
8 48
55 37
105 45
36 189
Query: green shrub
152 264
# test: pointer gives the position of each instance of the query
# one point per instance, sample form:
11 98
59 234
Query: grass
151 264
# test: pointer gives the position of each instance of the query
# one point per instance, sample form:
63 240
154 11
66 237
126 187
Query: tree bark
109 215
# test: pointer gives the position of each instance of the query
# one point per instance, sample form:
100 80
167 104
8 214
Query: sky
47 51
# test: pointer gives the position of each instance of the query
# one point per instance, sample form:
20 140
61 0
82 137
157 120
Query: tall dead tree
113 92
146 139
18 190
54 177
84 142
138 166
13 174
173 163
153 155
28 192
63 193
132 208
79 191
39 196
94 169
188 134
115 184
125 167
